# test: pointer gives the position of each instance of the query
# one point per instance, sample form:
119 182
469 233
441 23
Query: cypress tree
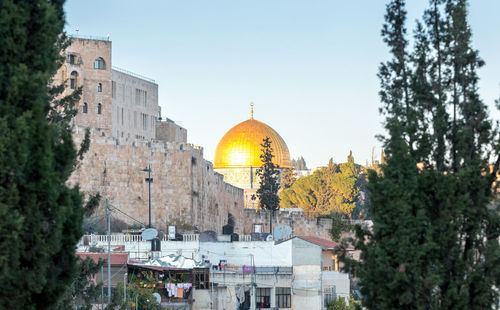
434 242
269 184
41 216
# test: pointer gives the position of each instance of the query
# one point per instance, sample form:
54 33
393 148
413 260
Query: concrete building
295 273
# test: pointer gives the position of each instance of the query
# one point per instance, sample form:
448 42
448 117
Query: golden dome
240 146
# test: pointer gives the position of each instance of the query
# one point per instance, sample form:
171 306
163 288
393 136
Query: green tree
269 185
41 215
340 304
83 292
288 177
434 241
333 189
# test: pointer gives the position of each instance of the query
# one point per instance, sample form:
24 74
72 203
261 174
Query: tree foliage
333 189
83 292
41 215
288 177
340 304
268 175
434 241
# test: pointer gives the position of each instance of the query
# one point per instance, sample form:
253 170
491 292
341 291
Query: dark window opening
73 80
193 161
99 64
99 109
201 278
99 87
72 59
263 298
85 107
283 297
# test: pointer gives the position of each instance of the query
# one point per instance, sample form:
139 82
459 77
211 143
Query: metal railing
142 77
251 269
85 37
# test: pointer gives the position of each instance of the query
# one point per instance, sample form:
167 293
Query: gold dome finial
251 110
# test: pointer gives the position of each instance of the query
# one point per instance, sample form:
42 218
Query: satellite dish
149 234
269 238
282 232
158 297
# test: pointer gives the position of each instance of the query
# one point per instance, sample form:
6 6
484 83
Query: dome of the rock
241 146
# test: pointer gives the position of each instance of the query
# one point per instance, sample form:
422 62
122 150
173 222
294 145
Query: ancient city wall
294 218
185 187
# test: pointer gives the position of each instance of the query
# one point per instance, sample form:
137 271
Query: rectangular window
283 297
329 294
263 298
141 97
201 278
122 116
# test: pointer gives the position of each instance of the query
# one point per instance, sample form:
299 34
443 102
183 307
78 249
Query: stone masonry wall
85 52
170 132
294 218
185 187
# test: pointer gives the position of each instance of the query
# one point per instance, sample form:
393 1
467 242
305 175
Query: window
263 298
99 64
283 297
73 80
141 97
85 107
72 59
99 108
257 228
99 87
201 278
113 89
122 116
329 294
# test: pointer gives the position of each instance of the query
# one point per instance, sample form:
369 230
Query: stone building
127 135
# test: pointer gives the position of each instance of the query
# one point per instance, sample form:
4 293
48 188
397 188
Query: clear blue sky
309 66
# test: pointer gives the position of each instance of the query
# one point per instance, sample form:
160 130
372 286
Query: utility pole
149 180
124 288
108 214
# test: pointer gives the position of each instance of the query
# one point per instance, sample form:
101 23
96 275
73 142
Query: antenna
251 110
77 31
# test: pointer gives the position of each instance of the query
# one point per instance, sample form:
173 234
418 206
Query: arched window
99 87
85 107
99 64
99 108
73 80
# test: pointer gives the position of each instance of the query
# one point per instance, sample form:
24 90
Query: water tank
156 244
227 229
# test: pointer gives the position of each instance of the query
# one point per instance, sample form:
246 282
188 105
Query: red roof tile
117 258
323 243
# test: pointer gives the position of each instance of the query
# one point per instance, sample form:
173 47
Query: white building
296 273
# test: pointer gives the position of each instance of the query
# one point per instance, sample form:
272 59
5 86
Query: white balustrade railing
122 239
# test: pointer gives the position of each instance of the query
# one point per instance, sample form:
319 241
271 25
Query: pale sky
309 66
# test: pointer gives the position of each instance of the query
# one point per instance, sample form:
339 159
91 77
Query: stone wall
293 217
80 57
185 187
170 132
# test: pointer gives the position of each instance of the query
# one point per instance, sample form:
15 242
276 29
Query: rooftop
117 258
